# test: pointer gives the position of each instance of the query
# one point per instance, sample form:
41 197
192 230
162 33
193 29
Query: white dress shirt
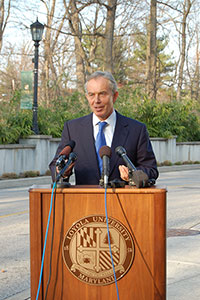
109 129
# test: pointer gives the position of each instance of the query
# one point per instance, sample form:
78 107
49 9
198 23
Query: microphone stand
115 183
130 177
64 181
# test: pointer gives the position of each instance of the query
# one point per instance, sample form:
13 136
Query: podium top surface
91 189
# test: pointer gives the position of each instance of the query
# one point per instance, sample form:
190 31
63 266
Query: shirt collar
110 120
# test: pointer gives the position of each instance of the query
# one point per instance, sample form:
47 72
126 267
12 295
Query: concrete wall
35 153
189 151
164 149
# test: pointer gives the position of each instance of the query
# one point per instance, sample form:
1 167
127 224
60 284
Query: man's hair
107 75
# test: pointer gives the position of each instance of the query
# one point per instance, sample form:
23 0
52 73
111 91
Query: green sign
27 90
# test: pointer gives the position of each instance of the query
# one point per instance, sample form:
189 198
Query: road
183 198
14 241
183 212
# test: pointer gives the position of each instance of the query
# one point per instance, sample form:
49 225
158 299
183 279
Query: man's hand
124 173
68 172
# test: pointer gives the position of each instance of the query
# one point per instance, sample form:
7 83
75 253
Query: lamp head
37 31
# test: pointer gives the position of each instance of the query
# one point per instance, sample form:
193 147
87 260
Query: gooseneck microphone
122 153
64 154
105 154
138 177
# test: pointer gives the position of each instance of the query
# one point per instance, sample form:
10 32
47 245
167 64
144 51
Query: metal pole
35 102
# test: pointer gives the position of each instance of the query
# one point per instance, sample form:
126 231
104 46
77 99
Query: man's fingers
123 172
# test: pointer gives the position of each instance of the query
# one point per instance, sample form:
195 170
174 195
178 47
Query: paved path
183 242
14 242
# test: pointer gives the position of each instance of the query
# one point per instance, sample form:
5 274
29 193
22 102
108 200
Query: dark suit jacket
129 133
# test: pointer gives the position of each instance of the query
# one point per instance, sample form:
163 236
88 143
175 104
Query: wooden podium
141 212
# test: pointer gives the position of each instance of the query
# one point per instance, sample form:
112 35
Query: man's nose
97 97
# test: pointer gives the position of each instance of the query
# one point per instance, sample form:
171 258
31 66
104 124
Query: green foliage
15 127
136 64
14 123
51 120
126 103
170 119
166 119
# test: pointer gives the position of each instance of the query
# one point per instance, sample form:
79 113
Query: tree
192 82
76 28
108 35
13 64
151 52
4 16
196 77
83 36
136 64
85 57
51 39
186 9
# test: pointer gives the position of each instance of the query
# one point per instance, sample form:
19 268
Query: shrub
163 119
168 119
29 174
9 176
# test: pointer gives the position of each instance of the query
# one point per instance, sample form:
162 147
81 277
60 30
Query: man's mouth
99 108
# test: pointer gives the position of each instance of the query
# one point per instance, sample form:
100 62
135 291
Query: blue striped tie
100 141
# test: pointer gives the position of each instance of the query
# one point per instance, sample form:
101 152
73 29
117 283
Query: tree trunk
49 73
76 29
109 33
3 19
197 70
186 10
151 87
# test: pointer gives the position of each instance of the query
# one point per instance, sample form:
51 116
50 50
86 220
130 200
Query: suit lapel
87 141
88 145
119 138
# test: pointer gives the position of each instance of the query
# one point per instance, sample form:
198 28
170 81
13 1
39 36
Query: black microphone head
73 156
68 148
120 150
105 150
71 144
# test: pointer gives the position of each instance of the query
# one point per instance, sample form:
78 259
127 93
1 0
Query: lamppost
36 31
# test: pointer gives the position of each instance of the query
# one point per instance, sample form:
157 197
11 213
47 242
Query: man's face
100 97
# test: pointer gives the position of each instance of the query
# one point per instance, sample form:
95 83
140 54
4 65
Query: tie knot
102 125
100 141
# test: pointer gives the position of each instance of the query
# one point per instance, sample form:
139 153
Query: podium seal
86 250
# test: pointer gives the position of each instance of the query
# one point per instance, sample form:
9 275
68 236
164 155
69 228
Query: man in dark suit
101 93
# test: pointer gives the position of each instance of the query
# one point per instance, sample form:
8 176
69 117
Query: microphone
122 153
68 165
64 154
139 177
105 154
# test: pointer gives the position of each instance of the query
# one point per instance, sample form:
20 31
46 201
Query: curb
24 295
24 182
42 180
176 168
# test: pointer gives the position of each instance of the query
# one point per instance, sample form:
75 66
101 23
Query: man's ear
115 96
